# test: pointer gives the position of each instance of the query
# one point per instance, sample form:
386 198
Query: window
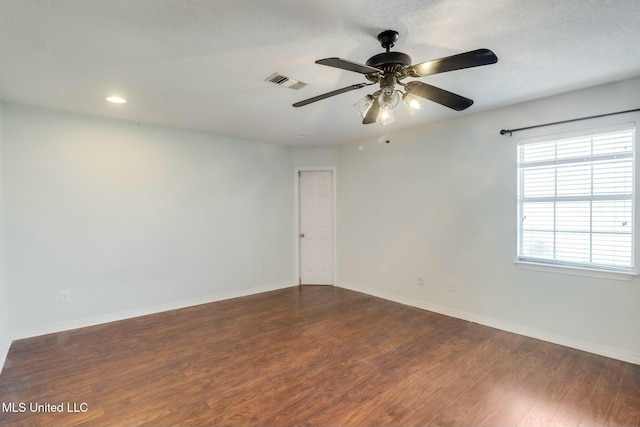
576 199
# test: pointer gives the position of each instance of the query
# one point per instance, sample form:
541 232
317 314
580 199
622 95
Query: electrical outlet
450 286
65 297
420 281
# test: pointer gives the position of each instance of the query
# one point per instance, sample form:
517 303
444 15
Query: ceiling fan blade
349 65
372 112
441 96
474 58
330 94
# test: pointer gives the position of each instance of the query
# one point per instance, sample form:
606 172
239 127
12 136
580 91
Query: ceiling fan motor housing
390 62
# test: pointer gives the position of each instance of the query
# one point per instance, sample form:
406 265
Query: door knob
301 235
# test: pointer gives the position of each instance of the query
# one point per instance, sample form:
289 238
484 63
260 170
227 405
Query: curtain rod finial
505 131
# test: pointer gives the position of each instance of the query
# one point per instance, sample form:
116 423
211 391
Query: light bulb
363 105
384 116
389 97
412 103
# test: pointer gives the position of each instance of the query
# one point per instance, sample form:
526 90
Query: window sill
576 271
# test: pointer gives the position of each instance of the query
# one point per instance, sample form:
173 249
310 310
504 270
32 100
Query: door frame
296 234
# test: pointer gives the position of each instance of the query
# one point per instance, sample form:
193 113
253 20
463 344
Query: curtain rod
510 131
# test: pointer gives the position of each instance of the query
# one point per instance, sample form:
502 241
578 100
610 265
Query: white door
316 228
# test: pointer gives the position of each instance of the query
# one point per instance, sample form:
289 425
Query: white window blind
576 199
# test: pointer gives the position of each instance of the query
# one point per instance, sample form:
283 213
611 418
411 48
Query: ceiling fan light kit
363 105
412 103
389 69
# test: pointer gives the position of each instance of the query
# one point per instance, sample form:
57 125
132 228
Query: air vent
285 81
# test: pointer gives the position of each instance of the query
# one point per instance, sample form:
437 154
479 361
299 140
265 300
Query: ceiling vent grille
285 81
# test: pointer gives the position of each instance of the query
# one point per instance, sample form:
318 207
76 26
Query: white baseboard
614 353
144 311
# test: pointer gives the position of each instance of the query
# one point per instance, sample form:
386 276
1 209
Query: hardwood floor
317 356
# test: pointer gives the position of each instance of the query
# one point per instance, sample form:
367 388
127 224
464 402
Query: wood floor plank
127 422
483 403
316 356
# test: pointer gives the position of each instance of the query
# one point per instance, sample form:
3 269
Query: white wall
439 202
5 336
132 217
315 156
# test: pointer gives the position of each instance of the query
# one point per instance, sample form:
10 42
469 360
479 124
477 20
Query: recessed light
116 99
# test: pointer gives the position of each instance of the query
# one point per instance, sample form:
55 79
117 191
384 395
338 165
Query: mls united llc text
69 407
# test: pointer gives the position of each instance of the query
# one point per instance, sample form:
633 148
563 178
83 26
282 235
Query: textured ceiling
201 65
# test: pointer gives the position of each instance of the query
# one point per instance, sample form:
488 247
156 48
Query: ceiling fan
389 69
